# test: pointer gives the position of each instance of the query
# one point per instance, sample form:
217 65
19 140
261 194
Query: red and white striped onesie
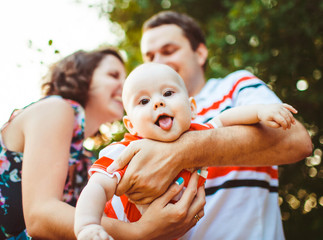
119 207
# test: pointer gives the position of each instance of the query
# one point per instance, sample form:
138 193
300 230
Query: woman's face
105 102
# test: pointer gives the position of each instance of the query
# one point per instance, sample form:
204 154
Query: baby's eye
168 93
144 101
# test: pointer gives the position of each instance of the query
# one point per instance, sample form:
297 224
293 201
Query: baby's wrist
216 122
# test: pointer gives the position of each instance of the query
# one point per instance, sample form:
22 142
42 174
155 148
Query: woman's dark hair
71 77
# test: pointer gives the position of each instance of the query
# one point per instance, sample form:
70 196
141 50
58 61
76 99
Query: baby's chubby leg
93 232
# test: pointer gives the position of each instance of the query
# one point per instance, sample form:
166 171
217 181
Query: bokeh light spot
230 39
317 74
302 85
254 41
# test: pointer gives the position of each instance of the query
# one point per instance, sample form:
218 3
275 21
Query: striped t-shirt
241 202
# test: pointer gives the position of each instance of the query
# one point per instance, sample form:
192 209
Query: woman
41 153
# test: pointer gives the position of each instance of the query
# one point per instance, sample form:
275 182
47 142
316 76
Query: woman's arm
48 129
157 163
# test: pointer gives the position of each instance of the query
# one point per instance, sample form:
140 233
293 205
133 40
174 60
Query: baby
158 107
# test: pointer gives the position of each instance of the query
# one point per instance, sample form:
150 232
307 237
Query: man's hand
152 169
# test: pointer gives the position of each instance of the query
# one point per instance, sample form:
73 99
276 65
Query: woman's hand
164 220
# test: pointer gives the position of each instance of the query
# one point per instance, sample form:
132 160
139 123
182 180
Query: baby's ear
128 125
193 107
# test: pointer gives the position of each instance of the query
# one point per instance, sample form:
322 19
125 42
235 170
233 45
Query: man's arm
255 145
158 163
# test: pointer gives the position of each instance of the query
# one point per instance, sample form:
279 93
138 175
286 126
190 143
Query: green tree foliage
282 43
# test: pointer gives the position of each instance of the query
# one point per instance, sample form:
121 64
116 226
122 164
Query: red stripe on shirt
198 126
103 163
216 105
214 172
109 211
130 209
128 138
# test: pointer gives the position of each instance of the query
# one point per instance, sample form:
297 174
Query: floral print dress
12 224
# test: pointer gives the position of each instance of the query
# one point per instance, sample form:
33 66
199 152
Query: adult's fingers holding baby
175 219
150 171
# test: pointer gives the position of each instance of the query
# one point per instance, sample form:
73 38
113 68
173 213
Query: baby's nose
159 104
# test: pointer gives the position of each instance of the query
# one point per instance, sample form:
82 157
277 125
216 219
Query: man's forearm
255 145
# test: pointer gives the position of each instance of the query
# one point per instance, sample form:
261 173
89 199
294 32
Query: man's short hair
189 26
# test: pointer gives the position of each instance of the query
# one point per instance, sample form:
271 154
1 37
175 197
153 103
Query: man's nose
158 58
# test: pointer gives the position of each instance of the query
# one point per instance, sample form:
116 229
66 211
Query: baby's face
157 103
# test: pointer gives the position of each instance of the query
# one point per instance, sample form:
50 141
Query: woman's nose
119 87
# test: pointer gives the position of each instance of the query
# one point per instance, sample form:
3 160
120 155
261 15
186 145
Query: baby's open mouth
165 122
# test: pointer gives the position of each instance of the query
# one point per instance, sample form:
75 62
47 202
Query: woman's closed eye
114 74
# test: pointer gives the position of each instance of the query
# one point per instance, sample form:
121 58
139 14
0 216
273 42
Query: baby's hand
93 232
277 115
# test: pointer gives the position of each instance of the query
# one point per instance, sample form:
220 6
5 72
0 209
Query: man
241 202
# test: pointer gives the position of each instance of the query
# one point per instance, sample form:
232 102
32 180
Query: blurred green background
281 42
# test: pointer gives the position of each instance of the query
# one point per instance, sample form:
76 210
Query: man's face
167 44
